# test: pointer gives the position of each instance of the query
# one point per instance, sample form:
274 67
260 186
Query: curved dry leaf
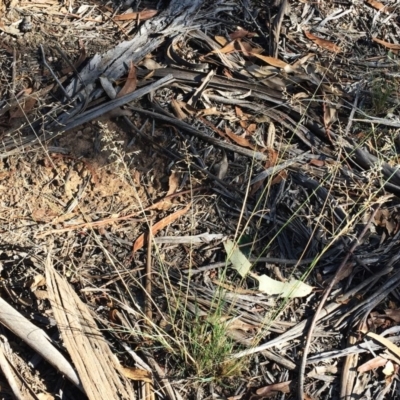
275 62
379 6
236 94
238 34
238 139
173 182
372 364
239 112
137 374
385 342
131 82
244 124
238 397
250 129
376 4
188 109
246 49
391 46
220 40
325 44
228 48
208 111
142 15
139 243
300 95
316 162
283 387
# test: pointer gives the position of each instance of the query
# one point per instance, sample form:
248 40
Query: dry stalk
148 277
327 292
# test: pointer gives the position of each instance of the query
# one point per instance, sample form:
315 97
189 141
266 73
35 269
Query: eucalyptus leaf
290 289
237 258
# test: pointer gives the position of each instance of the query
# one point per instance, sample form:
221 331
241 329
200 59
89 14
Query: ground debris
138 140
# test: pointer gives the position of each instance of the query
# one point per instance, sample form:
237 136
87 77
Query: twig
149 314
9 373
276 27
251 259
327 292
379 121
370 302
70 64
14 70
111 105
358 348
353 111
164 383
287 336
189 128
106 221
53 74
349 371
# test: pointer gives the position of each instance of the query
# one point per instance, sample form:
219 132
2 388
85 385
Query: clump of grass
210 348
202 347
382 91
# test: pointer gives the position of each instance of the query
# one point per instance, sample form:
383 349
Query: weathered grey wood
177 18
98 111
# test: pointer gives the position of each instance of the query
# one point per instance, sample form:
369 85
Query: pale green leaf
290 289
237 258
242 265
